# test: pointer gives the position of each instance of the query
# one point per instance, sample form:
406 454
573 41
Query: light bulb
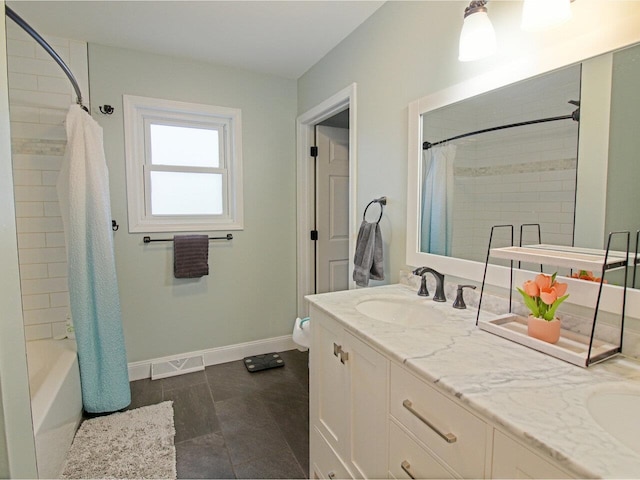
477 39
541 14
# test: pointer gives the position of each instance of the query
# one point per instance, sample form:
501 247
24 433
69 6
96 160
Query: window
184 166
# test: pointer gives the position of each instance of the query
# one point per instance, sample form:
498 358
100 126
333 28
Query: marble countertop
537 398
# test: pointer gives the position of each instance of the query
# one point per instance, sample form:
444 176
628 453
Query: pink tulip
548 297
543 281
531 289
560 288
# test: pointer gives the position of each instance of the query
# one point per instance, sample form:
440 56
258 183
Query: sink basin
399 311
618 413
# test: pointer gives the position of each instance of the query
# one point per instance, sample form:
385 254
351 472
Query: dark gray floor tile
145 392
282 377
249 442
203 457
242 411
290 411
230 380
181 381
298 363
281 464
194 412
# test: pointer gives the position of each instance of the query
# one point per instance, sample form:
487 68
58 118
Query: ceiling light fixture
541 14
477 38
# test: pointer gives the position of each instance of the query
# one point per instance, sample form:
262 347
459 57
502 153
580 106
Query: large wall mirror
565 155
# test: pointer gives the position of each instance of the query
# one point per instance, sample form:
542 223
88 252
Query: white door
332 209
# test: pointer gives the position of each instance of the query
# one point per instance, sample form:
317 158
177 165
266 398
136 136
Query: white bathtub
56 401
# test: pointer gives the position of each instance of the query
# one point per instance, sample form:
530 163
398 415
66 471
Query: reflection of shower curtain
437 200
83 191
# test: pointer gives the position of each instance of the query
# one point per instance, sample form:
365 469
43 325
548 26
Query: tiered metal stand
572 347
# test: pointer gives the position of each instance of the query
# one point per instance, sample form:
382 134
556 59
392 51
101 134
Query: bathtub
56 401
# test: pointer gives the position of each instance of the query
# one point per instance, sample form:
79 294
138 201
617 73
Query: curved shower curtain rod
575 116
43 43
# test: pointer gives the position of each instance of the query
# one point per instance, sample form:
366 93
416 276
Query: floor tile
181 381
290 411
281 464
145 392
204 457
248 442
230 380
242 411
232 422
298 363
194 412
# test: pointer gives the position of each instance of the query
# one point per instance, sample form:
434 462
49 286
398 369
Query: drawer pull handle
407 469
337 349
448 437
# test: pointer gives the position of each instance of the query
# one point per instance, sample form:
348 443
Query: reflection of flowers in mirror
543 295
587 275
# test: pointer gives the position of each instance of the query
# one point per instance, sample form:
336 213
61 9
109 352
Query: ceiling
283 38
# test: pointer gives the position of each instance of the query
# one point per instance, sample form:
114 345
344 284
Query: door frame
305 139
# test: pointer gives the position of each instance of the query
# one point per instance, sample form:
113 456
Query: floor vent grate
178 366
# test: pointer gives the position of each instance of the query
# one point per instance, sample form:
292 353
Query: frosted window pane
178 193
184 146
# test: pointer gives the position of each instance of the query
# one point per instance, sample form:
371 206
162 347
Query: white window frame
139 112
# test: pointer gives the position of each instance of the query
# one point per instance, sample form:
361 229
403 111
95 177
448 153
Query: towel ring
382 201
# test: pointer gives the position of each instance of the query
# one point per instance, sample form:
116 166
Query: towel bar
149 239
382 201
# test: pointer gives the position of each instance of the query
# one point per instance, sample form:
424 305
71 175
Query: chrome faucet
423 292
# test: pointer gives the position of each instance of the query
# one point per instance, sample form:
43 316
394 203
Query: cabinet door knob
407 469
332 475
448 437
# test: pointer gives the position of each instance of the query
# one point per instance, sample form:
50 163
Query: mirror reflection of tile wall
517 175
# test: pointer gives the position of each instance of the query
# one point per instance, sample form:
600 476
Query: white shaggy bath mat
133 444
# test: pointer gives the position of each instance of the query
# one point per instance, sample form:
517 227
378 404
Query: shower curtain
437 200
83 191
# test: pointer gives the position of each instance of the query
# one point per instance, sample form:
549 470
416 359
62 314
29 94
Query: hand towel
190 256
368 258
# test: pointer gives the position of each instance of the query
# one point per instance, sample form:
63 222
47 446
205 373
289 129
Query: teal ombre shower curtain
83 191
436 235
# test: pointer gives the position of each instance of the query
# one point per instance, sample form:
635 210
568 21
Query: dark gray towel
368 257
190 256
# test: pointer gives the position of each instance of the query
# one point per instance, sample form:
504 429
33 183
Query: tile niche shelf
581 350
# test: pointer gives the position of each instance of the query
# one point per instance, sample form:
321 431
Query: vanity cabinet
348 403
373 418
447 430
513 460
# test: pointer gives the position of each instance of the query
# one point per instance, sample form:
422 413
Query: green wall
408 50
250 293
623 193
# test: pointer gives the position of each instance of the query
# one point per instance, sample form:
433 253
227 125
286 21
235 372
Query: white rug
133 444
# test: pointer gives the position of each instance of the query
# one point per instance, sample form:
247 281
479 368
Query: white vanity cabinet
373 418
348 403
513 460
448 431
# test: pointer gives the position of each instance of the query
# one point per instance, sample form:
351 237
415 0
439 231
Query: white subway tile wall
513 176
39 96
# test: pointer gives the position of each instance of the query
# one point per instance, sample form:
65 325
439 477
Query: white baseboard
214 356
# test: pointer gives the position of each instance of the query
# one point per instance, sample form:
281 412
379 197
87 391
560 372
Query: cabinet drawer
430 416
325 463
407 459
512 460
